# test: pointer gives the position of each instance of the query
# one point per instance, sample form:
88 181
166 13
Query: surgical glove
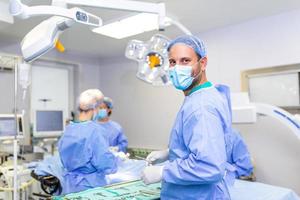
114 148
152 174
122 155
158 156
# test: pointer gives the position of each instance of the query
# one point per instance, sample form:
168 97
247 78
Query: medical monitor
48 123
8 129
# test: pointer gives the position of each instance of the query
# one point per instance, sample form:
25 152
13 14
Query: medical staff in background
196 158
83 151
113 131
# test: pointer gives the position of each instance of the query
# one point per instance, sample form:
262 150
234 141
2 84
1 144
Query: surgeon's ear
203 63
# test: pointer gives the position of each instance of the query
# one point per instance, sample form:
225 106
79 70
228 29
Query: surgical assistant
113 131
196 156
84 151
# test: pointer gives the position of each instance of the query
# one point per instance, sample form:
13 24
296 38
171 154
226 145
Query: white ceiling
197 15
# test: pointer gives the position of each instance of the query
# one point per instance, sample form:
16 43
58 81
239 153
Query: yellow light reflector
154 60
59 46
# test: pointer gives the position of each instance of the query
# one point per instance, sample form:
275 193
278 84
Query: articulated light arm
22 11
18 9
127 5
35 45
179 25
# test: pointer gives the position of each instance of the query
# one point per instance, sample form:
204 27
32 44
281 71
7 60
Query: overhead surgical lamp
152 56
44 37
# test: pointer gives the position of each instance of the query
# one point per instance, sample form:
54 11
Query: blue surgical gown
115 135
197 155
85 156
238 154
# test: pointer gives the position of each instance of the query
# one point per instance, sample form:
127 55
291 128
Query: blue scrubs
85 156
115 135
238 154
197 155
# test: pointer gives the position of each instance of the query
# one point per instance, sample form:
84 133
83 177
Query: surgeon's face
184 55
181 54
104 106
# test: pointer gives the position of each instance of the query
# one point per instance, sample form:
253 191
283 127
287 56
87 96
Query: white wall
147 113
258 43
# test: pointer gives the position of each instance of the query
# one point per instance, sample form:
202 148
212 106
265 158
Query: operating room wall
264 42
147 113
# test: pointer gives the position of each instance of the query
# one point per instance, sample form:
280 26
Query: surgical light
44 37
152 58
129 26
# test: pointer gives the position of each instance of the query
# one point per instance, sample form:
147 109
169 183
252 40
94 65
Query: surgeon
116 138
196 158
83 151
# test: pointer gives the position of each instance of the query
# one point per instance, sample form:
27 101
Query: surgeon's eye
185 61
172 62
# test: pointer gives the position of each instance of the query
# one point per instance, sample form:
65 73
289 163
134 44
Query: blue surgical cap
191 41
108 102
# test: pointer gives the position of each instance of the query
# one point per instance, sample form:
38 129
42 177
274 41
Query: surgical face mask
102 113
181 76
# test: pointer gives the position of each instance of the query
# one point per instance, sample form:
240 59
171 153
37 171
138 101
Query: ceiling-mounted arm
127 5
33 48
18 9
179 25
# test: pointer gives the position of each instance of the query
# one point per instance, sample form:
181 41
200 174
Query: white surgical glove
152 174
113 148
122 155
158 156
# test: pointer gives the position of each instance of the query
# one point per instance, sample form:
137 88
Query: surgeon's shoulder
97 130
115 124
71 127
96 126
200 101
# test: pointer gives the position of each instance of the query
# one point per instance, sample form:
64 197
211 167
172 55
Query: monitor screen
8 126
49 121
